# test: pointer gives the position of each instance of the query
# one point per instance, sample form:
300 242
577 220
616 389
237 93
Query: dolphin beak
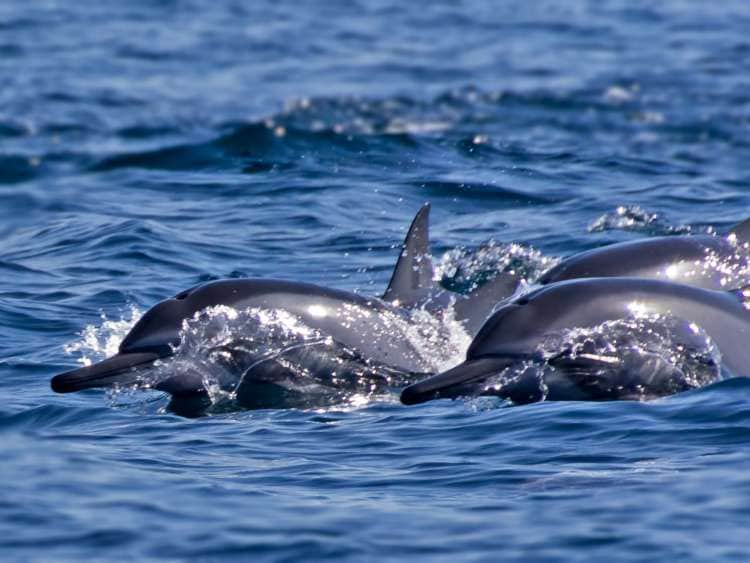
454 382
119 369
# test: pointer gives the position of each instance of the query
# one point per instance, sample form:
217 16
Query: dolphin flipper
413 273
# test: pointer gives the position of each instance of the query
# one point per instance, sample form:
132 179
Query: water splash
440 340
220 345
271 358
103 340
636 219
638 358
461 269
731 270
266 357
727 268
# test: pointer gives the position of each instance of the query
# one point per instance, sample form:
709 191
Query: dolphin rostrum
516 332
354 334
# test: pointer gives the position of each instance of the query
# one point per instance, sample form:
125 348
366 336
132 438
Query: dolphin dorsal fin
741 230
413 273
485 298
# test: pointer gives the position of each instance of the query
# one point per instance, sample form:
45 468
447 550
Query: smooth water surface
148 146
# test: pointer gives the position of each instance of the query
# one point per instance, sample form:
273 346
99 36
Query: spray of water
99 341
224 349
639 358
636 219
461 269
634 357
731 271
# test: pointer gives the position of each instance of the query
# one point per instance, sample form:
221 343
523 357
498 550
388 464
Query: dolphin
700 260
363 334
516 332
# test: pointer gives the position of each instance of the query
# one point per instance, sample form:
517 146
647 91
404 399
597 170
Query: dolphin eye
522 301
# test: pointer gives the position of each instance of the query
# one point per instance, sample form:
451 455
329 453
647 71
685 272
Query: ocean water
149 146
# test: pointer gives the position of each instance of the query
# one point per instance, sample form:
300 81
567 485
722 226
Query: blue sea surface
149 146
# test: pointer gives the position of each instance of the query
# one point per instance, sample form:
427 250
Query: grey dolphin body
515 331
354 322
690 259
370 331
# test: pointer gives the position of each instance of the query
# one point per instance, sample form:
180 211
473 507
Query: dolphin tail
413 272
485 298
455 382
120 369
741 230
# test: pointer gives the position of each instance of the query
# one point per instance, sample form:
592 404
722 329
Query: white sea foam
99 341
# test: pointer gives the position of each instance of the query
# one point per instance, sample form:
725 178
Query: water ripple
149 147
